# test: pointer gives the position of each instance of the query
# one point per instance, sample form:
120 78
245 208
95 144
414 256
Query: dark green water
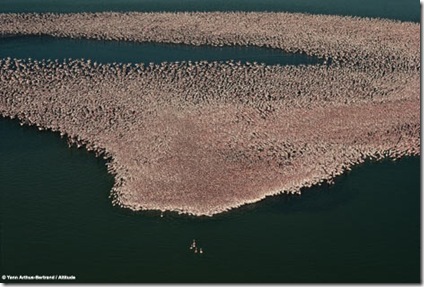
56 217
127 52
405 10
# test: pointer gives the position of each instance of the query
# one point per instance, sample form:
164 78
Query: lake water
405 10
127 52
56 217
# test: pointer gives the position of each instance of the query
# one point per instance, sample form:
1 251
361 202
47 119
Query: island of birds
204 137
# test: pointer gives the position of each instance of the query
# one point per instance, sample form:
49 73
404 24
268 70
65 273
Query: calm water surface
56 217
127 52
405 10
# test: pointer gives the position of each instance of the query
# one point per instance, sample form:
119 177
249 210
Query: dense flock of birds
205 137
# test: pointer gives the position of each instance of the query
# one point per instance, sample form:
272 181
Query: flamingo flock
205 137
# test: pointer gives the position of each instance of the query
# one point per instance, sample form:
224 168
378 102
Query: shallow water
405 10
58 219
113 51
